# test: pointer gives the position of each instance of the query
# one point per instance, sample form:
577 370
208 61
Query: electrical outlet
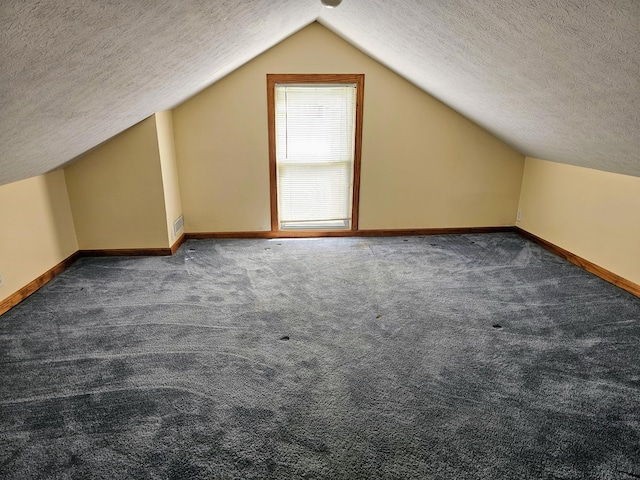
518 216
0 279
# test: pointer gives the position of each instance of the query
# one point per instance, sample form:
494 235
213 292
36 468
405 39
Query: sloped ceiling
559 80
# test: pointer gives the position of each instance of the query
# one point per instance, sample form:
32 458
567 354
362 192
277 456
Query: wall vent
177 225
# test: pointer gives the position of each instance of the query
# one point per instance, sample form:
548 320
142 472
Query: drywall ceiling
559 80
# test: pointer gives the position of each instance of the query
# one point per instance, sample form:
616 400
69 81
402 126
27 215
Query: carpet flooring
442 357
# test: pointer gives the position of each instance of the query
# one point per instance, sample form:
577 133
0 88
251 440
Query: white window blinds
315 130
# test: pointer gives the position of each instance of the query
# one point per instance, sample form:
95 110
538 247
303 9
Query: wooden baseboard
127 252
176 245
348 233
591 267
407 232
211 235
135 252
14 299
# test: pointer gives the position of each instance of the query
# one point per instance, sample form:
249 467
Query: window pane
315 128
314 191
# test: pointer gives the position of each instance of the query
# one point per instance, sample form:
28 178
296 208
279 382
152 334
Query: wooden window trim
272 80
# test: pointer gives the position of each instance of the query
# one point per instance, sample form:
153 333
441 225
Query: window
314 147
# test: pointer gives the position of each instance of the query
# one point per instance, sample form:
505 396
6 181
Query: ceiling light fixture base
331 3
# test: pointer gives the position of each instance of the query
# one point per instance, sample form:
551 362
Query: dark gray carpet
377 358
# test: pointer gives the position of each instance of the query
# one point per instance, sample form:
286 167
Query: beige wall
117 194
593 214
37 229
423 165
169 170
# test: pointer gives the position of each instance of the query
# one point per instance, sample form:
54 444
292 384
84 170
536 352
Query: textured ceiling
557 79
